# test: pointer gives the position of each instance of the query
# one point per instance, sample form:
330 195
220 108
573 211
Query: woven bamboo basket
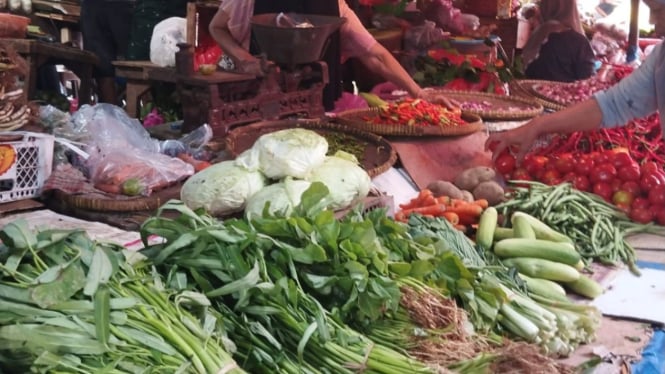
521 107
524 88
378 155
357 118
101 203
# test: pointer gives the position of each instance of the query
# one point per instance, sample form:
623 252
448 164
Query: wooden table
138 75
38 53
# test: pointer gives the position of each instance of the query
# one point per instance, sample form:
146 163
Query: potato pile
471 184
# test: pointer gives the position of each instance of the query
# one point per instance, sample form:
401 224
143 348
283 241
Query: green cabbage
221 188
286 153
346 180
282 196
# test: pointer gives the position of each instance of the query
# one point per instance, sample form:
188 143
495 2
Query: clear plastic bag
423 36
166 36
122 150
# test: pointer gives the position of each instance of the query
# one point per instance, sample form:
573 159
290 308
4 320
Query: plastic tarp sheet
653 355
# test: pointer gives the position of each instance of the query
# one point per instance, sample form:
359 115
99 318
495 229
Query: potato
490 191
444 188
470 178
467 196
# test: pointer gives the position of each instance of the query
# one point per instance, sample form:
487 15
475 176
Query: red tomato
583 166
621 159
505 163
641 215
569 176
600 157
651 166
565 163
623 198
649 180
616 184
655 209
630 172
582 183
604 172
603 190
657 195
535 165
640 203
624 208
551 177
632 187
660 216
521 174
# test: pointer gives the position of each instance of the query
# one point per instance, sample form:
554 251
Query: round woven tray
524 88
100 202
356 118
378 156
507 107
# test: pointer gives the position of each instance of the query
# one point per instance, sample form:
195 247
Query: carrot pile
460 213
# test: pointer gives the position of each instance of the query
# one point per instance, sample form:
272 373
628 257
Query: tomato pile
417 112
637 189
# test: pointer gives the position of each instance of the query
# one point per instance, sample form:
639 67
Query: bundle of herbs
71 305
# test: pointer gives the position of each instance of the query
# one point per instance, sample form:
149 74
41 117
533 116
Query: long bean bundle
598 228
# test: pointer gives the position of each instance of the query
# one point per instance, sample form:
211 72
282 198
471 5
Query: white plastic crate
31 167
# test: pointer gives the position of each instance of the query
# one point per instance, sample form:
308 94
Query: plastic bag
122 150
165 39
423 36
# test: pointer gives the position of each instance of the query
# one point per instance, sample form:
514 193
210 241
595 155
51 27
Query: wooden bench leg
133 92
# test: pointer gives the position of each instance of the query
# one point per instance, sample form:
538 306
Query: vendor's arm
634 97
358 42
234 15
637 95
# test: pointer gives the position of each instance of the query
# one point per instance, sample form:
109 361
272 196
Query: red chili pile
417 112
614 175
643 138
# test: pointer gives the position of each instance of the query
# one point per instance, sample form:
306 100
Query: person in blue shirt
636 96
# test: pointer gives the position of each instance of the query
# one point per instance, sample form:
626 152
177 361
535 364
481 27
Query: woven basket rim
311 124
526 85
350 118
535 110
129 204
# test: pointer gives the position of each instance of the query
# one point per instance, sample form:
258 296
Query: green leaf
322 284
17 235
149 340
100 271
358 273
402 269
53 338
421 269
183 241
70 281
313 200
103 314
243 284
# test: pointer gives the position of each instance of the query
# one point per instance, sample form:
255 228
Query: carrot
452 217
428 200
400 216
467 209
443 200
483 203
109 188
466 219
434 210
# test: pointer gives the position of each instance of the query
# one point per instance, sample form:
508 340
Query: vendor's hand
257 67
438 98
519 140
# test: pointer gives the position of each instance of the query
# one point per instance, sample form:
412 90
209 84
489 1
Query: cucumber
522 228
544 269
545 288
585 286
501 233
564 253
542 230
486 227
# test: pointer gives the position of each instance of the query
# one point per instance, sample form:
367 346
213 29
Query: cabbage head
283 196
286 153
221 188
346 180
